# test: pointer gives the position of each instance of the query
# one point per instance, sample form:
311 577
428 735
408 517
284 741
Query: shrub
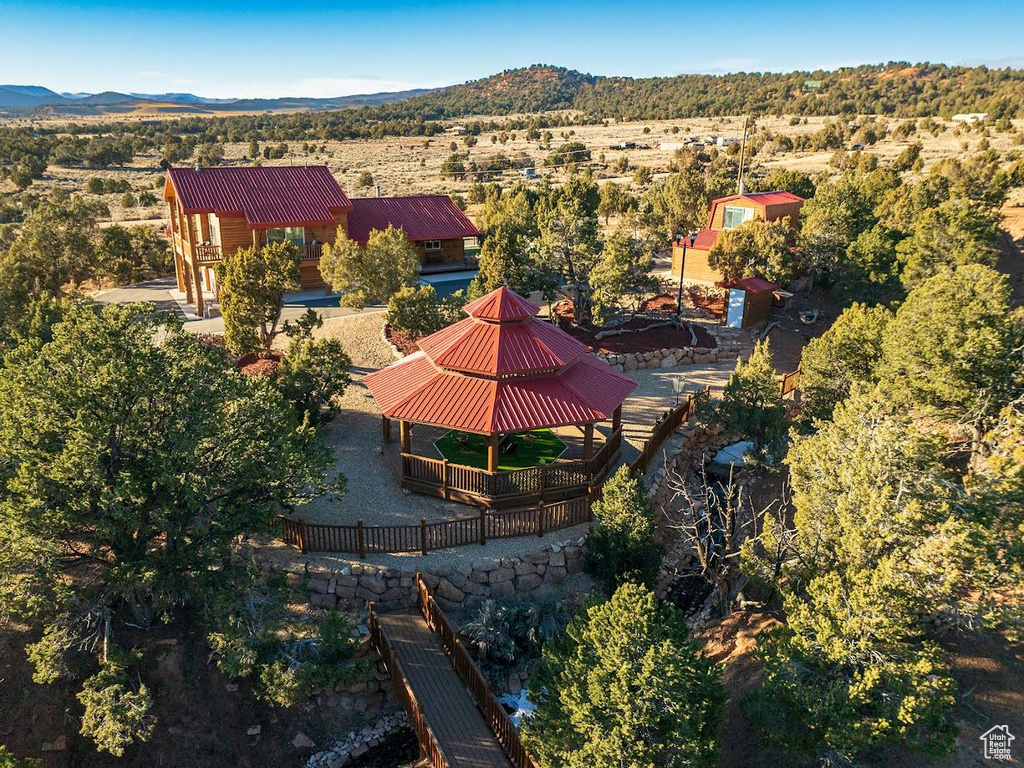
313 373
418 311
365 180
257 631
506 636
622 547
751 404
116 712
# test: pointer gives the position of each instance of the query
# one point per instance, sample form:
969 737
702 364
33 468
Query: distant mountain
19 98
895 89
27 96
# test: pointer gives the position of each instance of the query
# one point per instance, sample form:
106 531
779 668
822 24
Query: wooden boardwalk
447 706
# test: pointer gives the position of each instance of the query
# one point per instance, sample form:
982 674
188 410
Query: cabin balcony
211 254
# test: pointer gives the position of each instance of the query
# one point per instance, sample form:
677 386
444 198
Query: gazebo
499 374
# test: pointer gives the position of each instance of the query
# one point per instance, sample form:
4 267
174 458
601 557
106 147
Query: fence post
360 541
302 535
423 535
483 525
591 493
444 479
540 518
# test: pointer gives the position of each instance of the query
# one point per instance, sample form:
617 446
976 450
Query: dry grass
411 165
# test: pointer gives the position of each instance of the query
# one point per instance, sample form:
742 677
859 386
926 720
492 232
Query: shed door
734 317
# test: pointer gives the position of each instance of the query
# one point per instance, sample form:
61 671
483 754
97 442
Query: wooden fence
789 383
517 487
494 714
401 689
663 428
425 537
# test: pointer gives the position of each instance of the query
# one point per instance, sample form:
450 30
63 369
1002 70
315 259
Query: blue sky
327 48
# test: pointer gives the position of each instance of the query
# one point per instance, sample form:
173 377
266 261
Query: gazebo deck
424 470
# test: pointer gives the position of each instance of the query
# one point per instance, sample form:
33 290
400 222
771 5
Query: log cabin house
728 213
214 212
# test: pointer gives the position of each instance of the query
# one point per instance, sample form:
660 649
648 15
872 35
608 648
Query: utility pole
743 152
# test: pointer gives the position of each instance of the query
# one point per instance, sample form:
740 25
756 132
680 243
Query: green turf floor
543 449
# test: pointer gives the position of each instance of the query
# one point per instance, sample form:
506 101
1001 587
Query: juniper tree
626 687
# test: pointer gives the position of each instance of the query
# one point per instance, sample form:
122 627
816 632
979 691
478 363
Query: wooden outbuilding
749 302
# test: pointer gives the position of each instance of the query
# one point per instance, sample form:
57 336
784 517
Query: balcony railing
211 254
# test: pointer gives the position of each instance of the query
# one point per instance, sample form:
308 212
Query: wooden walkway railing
661 432
401 690
490 707
426 537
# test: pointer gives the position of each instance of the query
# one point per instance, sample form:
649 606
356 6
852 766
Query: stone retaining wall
351 586
729 347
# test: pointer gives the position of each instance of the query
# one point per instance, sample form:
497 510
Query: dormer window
735 215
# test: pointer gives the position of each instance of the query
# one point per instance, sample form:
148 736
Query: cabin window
432 245
735 215
296 235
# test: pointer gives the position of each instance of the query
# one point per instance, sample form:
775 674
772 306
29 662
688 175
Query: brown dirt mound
662 337
266 364
661 303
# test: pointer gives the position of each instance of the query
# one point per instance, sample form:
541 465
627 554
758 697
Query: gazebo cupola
500 371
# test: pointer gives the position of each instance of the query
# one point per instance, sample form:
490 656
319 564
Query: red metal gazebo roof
499 370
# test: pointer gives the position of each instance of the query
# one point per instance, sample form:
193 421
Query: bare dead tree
714 521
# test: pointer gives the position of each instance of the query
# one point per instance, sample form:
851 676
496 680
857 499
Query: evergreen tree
371 273
622 547
626 687
751 404
252 283
845 355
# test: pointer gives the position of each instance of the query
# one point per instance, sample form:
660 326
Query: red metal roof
752 285
706 238
508 375
764 198
428 217
502 304
267 197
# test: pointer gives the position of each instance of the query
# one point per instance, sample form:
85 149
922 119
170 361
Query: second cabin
691 256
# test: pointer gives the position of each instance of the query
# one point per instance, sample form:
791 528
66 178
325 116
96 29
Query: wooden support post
195 277
591 494
302 535
404 435
483 525
186 276
540 518
360 539
492 453
444 478
588 441
385 429
423 535
616 418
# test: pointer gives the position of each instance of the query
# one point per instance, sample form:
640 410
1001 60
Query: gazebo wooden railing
425 537
517 487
